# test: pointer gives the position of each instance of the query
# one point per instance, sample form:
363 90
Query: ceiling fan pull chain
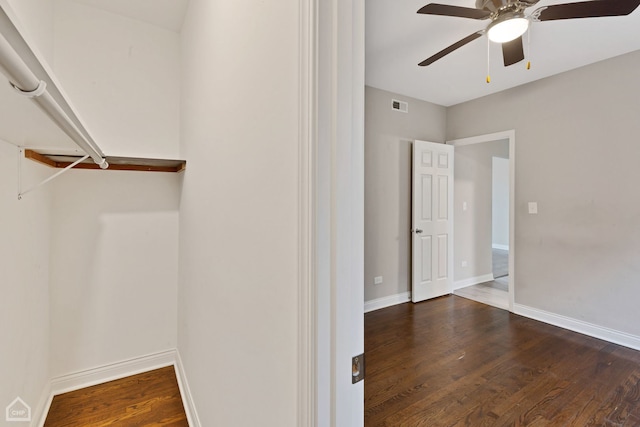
488 60
529 48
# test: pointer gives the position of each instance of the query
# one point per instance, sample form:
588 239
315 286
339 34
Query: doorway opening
500 223
483 219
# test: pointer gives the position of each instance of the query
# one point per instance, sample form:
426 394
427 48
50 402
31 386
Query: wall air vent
399 106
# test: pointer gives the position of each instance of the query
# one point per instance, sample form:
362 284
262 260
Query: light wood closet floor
148 399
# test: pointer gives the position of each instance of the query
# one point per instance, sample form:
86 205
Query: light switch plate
533 207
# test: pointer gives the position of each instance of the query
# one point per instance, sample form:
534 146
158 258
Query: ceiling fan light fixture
505 30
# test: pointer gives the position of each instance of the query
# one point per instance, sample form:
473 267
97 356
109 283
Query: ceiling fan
509 21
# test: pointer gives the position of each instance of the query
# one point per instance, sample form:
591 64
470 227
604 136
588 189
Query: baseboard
472 281
39 414
586 328
185 393
378 303
497 246
112 371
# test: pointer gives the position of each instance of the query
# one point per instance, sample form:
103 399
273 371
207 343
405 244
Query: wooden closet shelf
115 163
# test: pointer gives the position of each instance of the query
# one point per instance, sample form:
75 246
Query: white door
432 224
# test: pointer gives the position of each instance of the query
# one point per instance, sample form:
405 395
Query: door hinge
357 368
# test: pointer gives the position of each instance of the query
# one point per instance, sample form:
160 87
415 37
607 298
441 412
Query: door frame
330 212
509 135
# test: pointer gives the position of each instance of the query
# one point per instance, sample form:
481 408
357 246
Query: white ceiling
167 14
398 38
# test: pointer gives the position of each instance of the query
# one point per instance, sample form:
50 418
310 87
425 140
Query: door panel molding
432 222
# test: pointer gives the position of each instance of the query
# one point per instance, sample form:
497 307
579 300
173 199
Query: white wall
114 247
24 249
123 76
388 144
500 205
472 227
238 298
24 280
577 155
114 267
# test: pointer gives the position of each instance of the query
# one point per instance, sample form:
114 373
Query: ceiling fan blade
450 49
512 52
587 9
448 10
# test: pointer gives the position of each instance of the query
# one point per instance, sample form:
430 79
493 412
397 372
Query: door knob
418 231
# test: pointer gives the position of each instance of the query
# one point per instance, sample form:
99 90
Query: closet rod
26 83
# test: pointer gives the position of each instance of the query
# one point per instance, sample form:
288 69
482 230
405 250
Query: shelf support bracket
42 86
52 177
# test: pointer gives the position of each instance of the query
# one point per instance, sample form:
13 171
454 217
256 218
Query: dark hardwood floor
456 362
148 399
